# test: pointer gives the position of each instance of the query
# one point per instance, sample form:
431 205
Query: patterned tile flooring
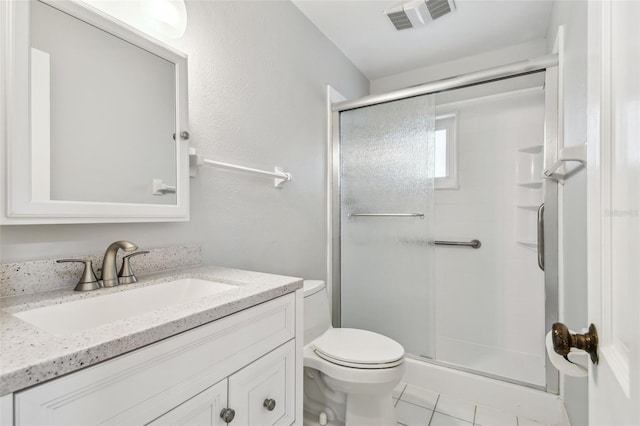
421 407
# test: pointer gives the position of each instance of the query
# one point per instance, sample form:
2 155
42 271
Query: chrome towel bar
476 244
420 215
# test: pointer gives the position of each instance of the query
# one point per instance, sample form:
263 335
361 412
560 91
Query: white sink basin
79 315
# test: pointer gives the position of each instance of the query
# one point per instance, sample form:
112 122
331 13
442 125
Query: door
386 221
263 393
614 210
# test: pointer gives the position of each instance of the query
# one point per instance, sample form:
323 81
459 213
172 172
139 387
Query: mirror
96 109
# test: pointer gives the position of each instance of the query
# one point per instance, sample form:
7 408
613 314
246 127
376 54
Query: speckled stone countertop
29 356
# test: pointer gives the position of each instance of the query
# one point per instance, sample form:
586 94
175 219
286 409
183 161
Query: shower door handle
541 236
420 215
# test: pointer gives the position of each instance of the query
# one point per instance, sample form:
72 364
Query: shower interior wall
490 301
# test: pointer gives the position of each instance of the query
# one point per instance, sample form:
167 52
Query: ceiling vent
418 13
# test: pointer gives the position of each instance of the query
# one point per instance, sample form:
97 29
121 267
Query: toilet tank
316 310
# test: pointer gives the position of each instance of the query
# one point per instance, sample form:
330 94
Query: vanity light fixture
164 18
167 17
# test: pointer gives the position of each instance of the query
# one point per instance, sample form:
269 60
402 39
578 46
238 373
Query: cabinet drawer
269 380
141 386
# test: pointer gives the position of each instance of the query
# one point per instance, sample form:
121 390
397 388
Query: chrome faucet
109 270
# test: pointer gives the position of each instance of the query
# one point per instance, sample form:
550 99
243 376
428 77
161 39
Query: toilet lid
358 348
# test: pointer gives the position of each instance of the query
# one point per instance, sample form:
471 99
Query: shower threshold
457 367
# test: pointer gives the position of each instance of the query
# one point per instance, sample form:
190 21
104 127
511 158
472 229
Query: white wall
573 312
257 88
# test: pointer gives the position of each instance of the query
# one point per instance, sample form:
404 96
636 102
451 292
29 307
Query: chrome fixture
126 275
476 244
420 215
527 66
269 404
88 280
541 236
227 414
109 272
183 135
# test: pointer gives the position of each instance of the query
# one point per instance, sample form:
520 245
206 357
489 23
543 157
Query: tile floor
421 407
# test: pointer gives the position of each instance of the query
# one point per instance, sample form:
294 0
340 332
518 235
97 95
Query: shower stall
439 237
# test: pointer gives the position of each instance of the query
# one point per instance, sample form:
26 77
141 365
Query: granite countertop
29 356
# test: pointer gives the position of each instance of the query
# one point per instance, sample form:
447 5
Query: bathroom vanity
230 357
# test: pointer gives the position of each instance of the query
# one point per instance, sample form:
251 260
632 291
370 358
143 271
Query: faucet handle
88 280
126 275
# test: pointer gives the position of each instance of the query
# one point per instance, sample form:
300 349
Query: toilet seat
355 348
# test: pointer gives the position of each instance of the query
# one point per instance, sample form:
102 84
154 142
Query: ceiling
364 34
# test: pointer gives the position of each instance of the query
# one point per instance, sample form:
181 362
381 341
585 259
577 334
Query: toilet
348 373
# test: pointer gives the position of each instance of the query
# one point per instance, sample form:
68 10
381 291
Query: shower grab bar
541 236
420 215
476 244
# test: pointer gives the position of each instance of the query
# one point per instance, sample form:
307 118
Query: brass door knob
269 404
563 341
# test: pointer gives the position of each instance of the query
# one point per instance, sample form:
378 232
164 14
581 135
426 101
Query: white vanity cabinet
248 362
259 394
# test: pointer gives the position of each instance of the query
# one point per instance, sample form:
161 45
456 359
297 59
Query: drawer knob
227 414
269 404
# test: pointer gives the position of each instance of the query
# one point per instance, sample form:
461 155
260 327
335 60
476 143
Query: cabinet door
263 393
201 410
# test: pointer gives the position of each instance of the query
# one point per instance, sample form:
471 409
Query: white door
262 393
614 209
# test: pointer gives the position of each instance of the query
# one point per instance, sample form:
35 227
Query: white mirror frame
16 177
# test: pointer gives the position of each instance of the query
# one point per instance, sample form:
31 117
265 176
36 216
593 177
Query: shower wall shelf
195 160
529 193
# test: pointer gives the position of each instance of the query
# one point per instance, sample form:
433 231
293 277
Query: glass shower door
386 220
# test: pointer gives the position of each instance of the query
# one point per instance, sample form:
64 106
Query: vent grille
400 20
438 8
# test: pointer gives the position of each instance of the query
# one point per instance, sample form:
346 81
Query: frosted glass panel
387 262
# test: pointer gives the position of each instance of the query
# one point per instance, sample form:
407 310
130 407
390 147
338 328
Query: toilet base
368 410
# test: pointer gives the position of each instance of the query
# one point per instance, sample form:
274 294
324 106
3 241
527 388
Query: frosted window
446 170
387 264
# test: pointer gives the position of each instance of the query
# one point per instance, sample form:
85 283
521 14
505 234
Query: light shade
167 17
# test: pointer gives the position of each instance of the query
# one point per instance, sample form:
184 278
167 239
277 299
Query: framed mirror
96 119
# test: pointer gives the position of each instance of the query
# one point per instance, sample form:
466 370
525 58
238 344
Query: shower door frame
553 122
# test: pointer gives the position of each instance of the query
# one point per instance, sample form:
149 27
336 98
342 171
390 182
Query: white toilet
349 373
